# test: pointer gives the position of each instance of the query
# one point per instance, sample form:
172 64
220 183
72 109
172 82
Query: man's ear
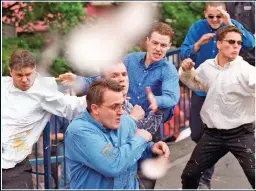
148 40
10 71
94 109
218 44
205 14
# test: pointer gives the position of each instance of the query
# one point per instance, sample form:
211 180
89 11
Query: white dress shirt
230 100
26 113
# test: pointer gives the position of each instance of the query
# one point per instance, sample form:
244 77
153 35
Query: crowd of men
116 124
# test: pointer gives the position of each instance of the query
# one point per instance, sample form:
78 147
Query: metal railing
169 130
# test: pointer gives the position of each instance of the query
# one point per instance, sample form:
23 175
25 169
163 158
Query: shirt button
145 71
138 97
134 160
139 84
213 51
214 41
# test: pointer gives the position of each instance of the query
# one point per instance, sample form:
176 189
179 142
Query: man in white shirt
228 112
28 101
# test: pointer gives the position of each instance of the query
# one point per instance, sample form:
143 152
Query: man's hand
67 78
137 112
144 133
153 105
187 64
225 15
161 148
205 38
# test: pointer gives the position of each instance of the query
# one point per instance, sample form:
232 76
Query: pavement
228 173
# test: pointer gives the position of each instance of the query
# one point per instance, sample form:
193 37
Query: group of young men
116 125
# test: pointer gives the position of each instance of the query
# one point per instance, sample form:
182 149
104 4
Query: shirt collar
89 118
228 64
154 64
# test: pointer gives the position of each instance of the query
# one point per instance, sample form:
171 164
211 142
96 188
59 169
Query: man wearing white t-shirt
228 112
28 102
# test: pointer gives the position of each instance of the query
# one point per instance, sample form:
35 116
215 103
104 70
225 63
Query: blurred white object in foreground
183 134
155 168
104 43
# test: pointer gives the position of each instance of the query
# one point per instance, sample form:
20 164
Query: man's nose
24 79
214 19
158 47
120 112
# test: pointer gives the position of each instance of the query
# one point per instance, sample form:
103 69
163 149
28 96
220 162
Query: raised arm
191 77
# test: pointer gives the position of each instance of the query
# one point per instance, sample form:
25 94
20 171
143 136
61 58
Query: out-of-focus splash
91 47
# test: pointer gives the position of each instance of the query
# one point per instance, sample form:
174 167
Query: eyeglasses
230 41
212 16
115 107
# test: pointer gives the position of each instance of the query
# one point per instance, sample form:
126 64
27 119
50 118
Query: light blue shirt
161 76
104 159
208 50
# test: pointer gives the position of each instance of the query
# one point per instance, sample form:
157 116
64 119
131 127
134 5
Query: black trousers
197 131
214 145
19 177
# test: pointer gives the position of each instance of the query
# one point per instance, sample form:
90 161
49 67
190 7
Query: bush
181 15
32 44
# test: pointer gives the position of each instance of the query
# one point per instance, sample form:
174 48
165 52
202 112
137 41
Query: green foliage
60 16
60 66
181 15
33 44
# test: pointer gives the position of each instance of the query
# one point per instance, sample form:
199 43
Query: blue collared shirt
104 159
161 76
208 50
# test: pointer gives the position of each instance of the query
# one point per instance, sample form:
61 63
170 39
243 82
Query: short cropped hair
22 59
163 29
221 32
96 91
215 4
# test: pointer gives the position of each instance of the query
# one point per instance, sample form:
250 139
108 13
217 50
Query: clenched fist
137 112
187 64
144 133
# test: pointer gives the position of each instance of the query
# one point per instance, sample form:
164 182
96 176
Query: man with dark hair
200 45
228 113
150 70
29 100
103 146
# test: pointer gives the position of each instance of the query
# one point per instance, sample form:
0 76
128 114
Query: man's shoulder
80 123
127 123
6 80
134 56
199 23
169 66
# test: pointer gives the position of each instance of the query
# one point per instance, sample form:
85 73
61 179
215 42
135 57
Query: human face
157 46
118 73
110 111
217 19
23 78
227 50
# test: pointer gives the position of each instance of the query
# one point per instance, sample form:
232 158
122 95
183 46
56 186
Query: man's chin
215 26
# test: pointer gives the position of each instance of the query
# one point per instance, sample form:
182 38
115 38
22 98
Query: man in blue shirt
103 146
151 69
200 45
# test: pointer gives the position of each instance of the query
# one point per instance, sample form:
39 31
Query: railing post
47 156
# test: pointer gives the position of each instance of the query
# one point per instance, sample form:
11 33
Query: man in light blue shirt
200 45
103 146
